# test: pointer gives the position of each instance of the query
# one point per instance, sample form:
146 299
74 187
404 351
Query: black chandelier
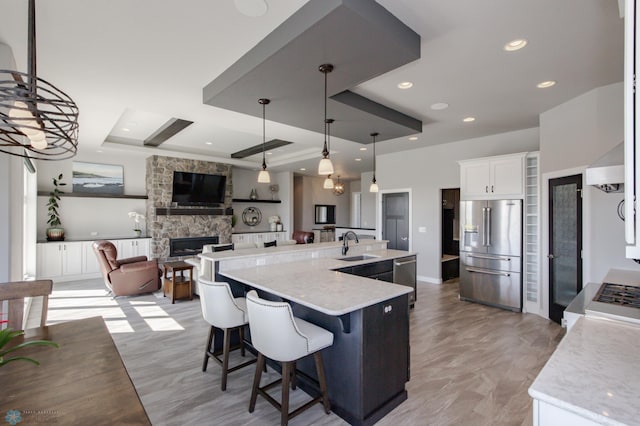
37 120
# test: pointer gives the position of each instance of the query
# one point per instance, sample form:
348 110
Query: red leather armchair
126 277
303 237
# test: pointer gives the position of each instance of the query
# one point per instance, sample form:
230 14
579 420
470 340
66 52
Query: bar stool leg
322 381
241 329
256 382
212 331
225 358
284 402
293 376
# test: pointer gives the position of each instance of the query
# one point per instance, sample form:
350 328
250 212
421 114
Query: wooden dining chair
15 292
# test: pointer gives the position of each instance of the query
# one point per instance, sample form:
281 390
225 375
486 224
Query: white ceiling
135 64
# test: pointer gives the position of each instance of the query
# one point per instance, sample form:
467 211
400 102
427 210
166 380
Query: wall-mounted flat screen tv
198 189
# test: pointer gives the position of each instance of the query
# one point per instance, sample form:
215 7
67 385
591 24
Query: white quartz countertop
595 372
314 282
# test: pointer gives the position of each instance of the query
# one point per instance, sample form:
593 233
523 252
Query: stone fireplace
165 221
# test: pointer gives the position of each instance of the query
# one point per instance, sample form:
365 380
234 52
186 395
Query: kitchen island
368 364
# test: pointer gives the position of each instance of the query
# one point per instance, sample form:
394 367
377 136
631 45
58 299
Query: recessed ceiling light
208 143
545 84
126 129
358 159
405 85
302 169
363 149
440 106
469 119
413 138
269 153
99 151
514 45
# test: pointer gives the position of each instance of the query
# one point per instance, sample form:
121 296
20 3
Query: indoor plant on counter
137 217
55 231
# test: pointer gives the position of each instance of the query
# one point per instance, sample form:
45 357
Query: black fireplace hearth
191 246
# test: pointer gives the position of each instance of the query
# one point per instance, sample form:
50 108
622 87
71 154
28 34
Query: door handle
483 271
484 226
488 226
476 256
408 262
404 238
551 256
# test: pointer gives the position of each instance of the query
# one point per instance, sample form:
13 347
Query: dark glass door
395 220
565 243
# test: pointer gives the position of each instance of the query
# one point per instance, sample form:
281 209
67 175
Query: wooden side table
179 286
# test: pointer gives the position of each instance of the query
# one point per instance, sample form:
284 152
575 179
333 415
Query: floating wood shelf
182 211
247 200
89 195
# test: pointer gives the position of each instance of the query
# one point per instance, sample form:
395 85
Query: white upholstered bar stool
223 311
278 335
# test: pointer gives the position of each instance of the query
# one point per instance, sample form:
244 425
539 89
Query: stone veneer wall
159 182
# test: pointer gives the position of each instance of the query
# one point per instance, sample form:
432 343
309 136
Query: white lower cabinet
75 260
133 247
258 237
545 414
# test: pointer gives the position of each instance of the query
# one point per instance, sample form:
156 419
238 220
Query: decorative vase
279 227
254 194
272 226
55 234
138 232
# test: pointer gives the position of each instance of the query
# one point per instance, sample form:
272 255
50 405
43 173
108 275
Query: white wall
428 170
367 201
245 180
309 192
81 217
574 135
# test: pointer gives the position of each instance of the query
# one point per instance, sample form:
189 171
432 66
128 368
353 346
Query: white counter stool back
278 335
223 311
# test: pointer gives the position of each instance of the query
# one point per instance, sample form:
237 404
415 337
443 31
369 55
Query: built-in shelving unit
247 200
88 195
532 229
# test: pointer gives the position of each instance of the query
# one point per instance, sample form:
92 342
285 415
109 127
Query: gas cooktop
619 294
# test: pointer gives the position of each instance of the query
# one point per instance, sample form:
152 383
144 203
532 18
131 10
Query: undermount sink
358 257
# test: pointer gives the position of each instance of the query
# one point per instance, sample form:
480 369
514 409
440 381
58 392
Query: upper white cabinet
493 177
631 129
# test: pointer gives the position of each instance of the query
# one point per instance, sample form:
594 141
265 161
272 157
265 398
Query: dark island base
368 364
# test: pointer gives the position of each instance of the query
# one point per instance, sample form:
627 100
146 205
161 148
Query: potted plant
55 231
137 217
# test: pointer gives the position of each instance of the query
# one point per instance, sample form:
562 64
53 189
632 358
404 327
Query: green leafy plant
7 335
52 205
234 220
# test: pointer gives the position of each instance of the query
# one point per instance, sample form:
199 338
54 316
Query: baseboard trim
430 280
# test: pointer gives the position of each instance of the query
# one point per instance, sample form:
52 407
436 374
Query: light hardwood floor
470 364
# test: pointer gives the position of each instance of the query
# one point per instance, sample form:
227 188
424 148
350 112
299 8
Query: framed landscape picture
98 178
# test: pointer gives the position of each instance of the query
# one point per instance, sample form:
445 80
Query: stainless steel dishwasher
404 272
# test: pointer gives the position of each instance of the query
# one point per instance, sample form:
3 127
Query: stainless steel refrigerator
491 252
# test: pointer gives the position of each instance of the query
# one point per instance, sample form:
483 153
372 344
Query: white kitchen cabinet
75 260
133 247
258 237
631 129
545 414
499 177
57 259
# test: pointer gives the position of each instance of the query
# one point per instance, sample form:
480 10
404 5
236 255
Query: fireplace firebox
190 246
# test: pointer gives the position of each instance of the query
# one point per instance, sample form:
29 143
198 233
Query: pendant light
37 120
326 166
328 183
374 184
263 176
338 188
